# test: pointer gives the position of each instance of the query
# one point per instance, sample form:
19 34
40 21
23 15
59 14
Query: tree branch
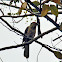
43 45
18 16
11 26
9 5
38 21
40 35
26 15
2 12
57 38
47 17
34 39
20 45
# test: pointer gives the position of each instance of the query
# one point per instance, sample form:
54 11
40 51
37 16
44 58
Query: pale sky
7 38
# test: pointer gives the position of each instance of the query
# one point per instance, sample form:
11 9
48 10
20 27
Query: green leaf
45 10
36 3
54 10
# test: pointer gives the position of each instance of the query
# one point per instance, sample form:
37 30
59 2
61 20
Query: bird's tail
26 51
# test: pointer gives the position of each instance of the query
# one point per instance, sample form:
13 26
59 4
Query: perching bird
29 32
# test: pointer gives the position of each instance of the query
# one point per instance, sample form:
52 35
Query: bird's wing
26 30
25 33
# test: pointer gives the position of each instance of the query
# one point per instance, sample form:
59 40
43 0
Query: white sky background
7 38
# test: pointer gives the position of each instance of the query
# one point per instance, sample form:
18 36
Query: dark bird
29 32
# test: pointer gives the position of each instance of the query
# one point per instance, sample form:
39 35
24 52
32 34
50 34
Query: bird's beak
37 23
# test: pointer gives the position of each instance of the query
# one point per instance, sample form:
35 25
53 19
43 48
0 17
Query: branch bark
9 5
34 39
11 26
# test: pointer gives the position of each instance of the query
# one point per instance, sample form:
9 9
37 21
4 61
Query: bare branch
11 26
1 59
34 39
9 5
16 46
10 47
17 16
40 35
19 20
25 35
5 26
10 29
57 38
2 12
48 47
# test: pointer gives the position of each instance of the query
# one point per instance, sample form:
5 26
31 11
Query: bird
29 32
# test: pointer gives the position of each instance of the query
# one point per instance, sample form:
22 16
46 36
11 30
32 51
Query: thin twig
24 34
1 59
57 38
2 12
34 39
18 16
19 20
60 40
6 26
27 60
9 5
11 26
39 53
